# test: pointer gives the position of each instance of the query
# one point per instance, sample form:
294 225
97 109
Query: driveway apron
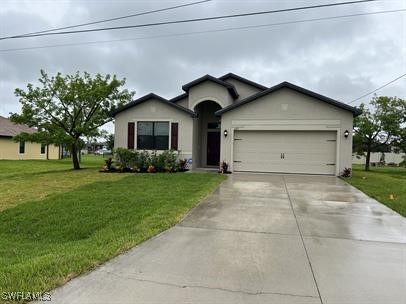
262 238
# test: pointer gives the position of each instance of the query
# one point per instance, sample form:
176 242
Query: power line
202 32
107 20
190 20
381 87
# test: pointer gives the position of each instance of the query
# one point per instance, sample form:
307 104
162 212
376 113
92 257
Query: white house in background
283 128
390 157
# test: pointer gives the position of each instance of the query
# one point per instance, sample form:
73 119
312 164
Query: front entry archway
206 139
213 148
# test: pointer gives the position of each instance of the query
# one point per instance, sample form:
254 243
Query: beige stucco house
283 128
9 149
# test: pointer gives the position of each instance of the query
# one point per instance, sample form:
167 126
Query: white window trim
170 121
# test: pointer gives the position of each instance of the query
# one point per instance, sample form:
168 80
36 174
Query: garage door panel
312 152
310 156
276 167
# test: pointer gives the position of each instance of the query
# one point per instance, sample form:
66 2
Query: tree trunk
368 158
75 159
47 152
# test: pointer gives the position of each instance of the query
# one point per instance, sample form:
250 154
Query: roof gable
10 129
179 97
149 97
244 80
296 88
231 88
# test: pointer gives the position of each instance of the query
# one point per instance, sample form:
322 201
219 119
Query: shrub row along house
9 149
284 128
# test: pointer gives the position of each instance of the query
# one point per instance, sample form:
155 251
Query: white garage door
311 152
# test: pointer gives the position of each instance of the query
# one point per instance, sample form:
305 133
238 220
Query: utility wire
190 20
107 20
381 87
201 32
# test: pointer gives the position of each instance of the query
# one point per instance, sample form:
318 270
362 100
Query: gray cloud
341 58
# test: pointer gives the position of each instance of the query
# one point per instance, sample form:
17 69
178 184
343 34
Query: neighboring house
284 128
9 149
390 157
92 147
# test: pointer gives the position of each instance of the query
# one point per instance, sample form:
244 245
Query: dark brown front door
213 148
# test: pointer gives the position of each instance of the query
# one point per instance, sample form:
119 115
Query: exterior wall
154 110
209 90
10 150
286 109
197 144
390 157
183 102
53 152
244 90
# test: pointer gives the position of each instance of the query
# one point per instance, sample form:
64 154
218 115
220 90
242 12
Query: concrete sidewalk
262 238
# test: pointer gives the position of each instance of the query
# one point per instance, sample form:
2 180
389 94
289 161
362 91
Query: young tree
66 108
381 126
109 141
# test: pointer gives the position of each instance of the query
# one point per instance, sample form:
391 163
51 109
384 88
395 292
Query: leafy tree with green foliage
66 108
400 144
381 125
109 141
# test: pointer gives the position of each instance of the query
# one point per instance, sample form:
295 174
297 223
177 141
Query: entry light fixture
346 133
225 133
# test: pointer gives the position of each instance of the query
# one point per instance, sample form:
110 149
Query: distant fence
390 157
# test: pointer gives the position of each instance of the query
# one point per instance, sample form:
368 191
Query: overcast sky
342 58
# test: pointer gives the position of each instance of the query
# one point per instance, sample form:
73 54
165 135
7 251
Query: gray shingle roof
231 88
148 97
296 88
242 79
10 129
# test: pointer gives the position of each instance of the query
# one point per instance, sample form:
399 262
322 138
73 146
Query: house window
153 135
22 147
43 148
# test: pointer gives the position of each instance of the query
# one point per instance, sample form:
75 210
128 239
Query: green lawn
72 221
385 184
36 179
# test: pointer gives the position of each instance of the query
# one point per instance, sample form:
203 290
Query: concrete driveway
262 238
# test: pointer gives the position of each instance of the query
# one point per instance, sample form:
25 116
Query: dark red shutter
174 136
130 138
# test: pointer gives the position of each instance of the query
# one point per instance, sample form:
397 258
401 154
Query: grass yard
70 221
382 182
36 179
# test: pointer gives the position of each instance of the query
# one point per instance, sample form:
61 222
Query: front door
213 148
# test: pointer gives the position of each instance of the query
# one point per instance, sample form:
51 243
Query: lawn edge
374 198
199 203
99 265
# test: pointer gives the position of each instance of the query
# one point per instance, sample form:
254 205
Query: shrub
108 166
109 163
347 172
182 165
224 168
168 159
144 161
153 160
151 169
125 159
